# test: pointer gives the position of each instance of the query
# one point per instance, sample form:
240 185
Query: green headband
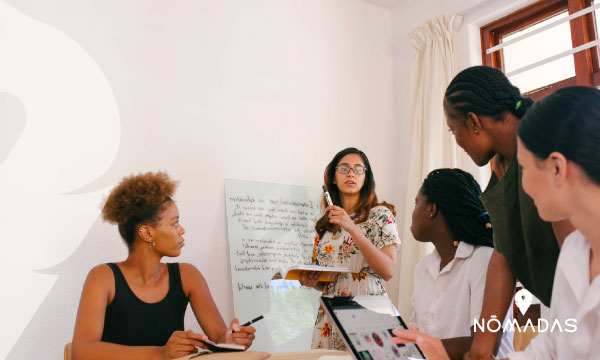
518 104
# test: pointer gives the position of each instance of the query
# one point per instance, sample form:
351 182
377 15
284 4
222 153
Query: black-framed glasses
345 169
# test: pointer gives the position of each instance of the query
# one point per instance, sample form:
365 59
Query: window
521 60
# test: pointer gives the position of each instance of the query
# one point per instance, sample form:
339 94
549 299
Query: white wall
263 90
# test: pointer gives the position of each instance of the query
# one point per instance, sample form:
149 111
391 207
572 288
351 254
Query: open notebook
293 272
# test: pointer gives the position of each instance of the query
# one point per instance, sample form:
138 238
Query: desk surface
258 355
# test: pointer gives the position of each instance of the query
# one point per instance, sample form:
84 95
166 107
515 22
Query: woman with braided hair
558 152
483 110
449 213
134 309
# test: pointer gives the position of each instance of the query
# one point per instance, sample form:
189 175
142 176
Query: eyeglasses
345 169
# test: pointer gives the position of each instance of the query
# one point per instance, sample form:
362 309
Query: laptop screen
366 324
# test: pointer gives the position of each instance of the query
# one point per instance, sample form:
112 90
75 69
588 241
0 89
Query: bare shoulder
188 269
100 282
191 277
101 273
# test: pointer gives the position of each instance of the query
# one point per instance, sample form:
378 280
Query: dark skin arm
499 289
458 346
97 293
207 313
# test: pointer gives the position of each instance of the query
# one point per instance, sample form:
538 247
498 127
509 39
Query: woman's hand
338 216
182 343
432 348
309 278
240 335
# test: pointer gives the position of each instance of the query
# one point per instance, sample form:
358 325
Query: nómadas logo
523 299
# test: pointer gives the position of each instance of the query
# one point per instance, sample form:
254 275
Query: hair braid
486 91
457 196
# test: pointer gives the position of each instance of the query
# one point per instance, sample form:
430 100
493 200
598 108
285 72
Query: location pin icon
523 300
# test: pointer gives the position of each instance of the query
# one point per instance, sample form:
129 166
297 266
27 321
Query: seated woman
558 151
134 309
449 283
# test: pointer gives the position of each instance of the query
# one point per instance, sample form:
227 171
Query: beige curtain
432 146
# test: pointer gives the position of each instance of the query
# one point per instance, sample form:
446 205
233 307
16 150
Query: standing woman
134 309
356 232
559 143
483 110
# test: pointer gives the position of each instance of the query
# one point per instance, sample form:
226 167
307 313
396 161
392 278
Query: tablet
366 324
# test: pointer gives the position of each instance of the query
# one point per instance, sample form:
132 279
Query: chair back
68 351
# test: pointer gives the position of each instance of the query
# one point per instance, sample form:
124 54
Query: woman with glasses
357 232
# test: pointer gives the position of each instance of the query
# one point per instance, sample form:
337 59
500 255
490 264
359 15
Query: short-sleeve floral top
339 249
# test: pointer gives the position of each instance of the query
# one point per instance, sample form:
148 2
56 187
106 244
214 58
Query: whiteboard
272 226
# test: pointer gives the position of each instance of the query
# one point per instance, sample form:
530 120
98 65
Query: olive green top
526 241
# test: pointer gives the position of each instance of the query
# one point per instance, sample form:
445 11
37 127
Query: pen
248 323
327 197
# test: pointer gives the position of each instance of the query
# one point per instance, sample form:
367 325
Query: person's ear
557 164
145 233
432 210
474 123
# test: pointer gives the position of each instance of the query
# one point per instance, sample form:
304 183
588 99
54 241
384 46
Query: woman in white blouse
450 282
559 150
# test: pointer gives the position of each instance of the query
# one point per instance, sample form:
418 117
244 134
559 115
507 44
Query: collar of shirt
463 251
575 267
575 264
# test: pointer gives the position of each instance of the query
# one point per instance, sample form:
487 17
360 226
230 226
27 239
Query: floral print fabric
339 249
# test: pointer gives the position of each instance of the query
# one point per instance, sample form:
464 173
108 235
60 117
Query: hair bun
136 195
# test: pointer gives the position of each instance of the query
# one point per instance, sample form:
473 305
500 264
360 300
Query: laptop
366 324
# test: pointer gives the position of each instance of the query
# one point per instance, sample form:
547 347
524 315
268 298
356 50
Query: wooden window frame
583 30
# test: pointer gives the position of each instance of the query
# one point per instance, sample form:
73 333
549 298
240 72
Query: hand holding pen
241 334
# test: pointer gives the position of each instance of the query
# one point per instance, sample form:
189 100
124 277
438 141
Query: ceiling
388 4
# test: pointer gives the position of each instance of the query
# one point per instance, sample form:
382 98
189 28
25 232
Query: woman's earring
455 243
488 225
476 131
152 245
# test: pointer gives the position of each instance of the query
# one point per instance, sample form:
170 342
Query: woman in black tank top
135 309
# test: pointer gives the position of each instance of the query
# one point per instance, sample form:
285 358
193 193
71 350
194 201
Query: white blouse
446 302
574 301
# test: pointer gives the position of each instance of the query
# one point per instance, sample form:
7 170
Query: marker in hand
327 196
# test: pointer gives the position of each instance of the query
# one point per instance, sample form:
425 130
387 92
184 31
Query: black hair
456 194
567 122
367 197
484 90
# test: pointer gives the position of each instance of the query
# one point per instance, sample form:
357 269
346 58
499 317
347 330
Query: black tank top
130 321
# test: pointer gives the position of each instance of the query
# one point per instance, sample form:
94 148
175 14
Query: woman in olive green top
483 110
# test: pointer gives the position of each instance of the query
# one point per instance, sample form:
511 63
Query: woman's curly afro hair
138 200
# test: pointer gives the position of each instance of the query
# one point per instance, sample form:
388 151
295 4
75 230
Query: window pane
538 47
596 14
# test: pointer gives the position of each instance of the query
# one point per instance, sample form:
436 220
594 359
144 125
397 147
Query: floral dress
339 249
